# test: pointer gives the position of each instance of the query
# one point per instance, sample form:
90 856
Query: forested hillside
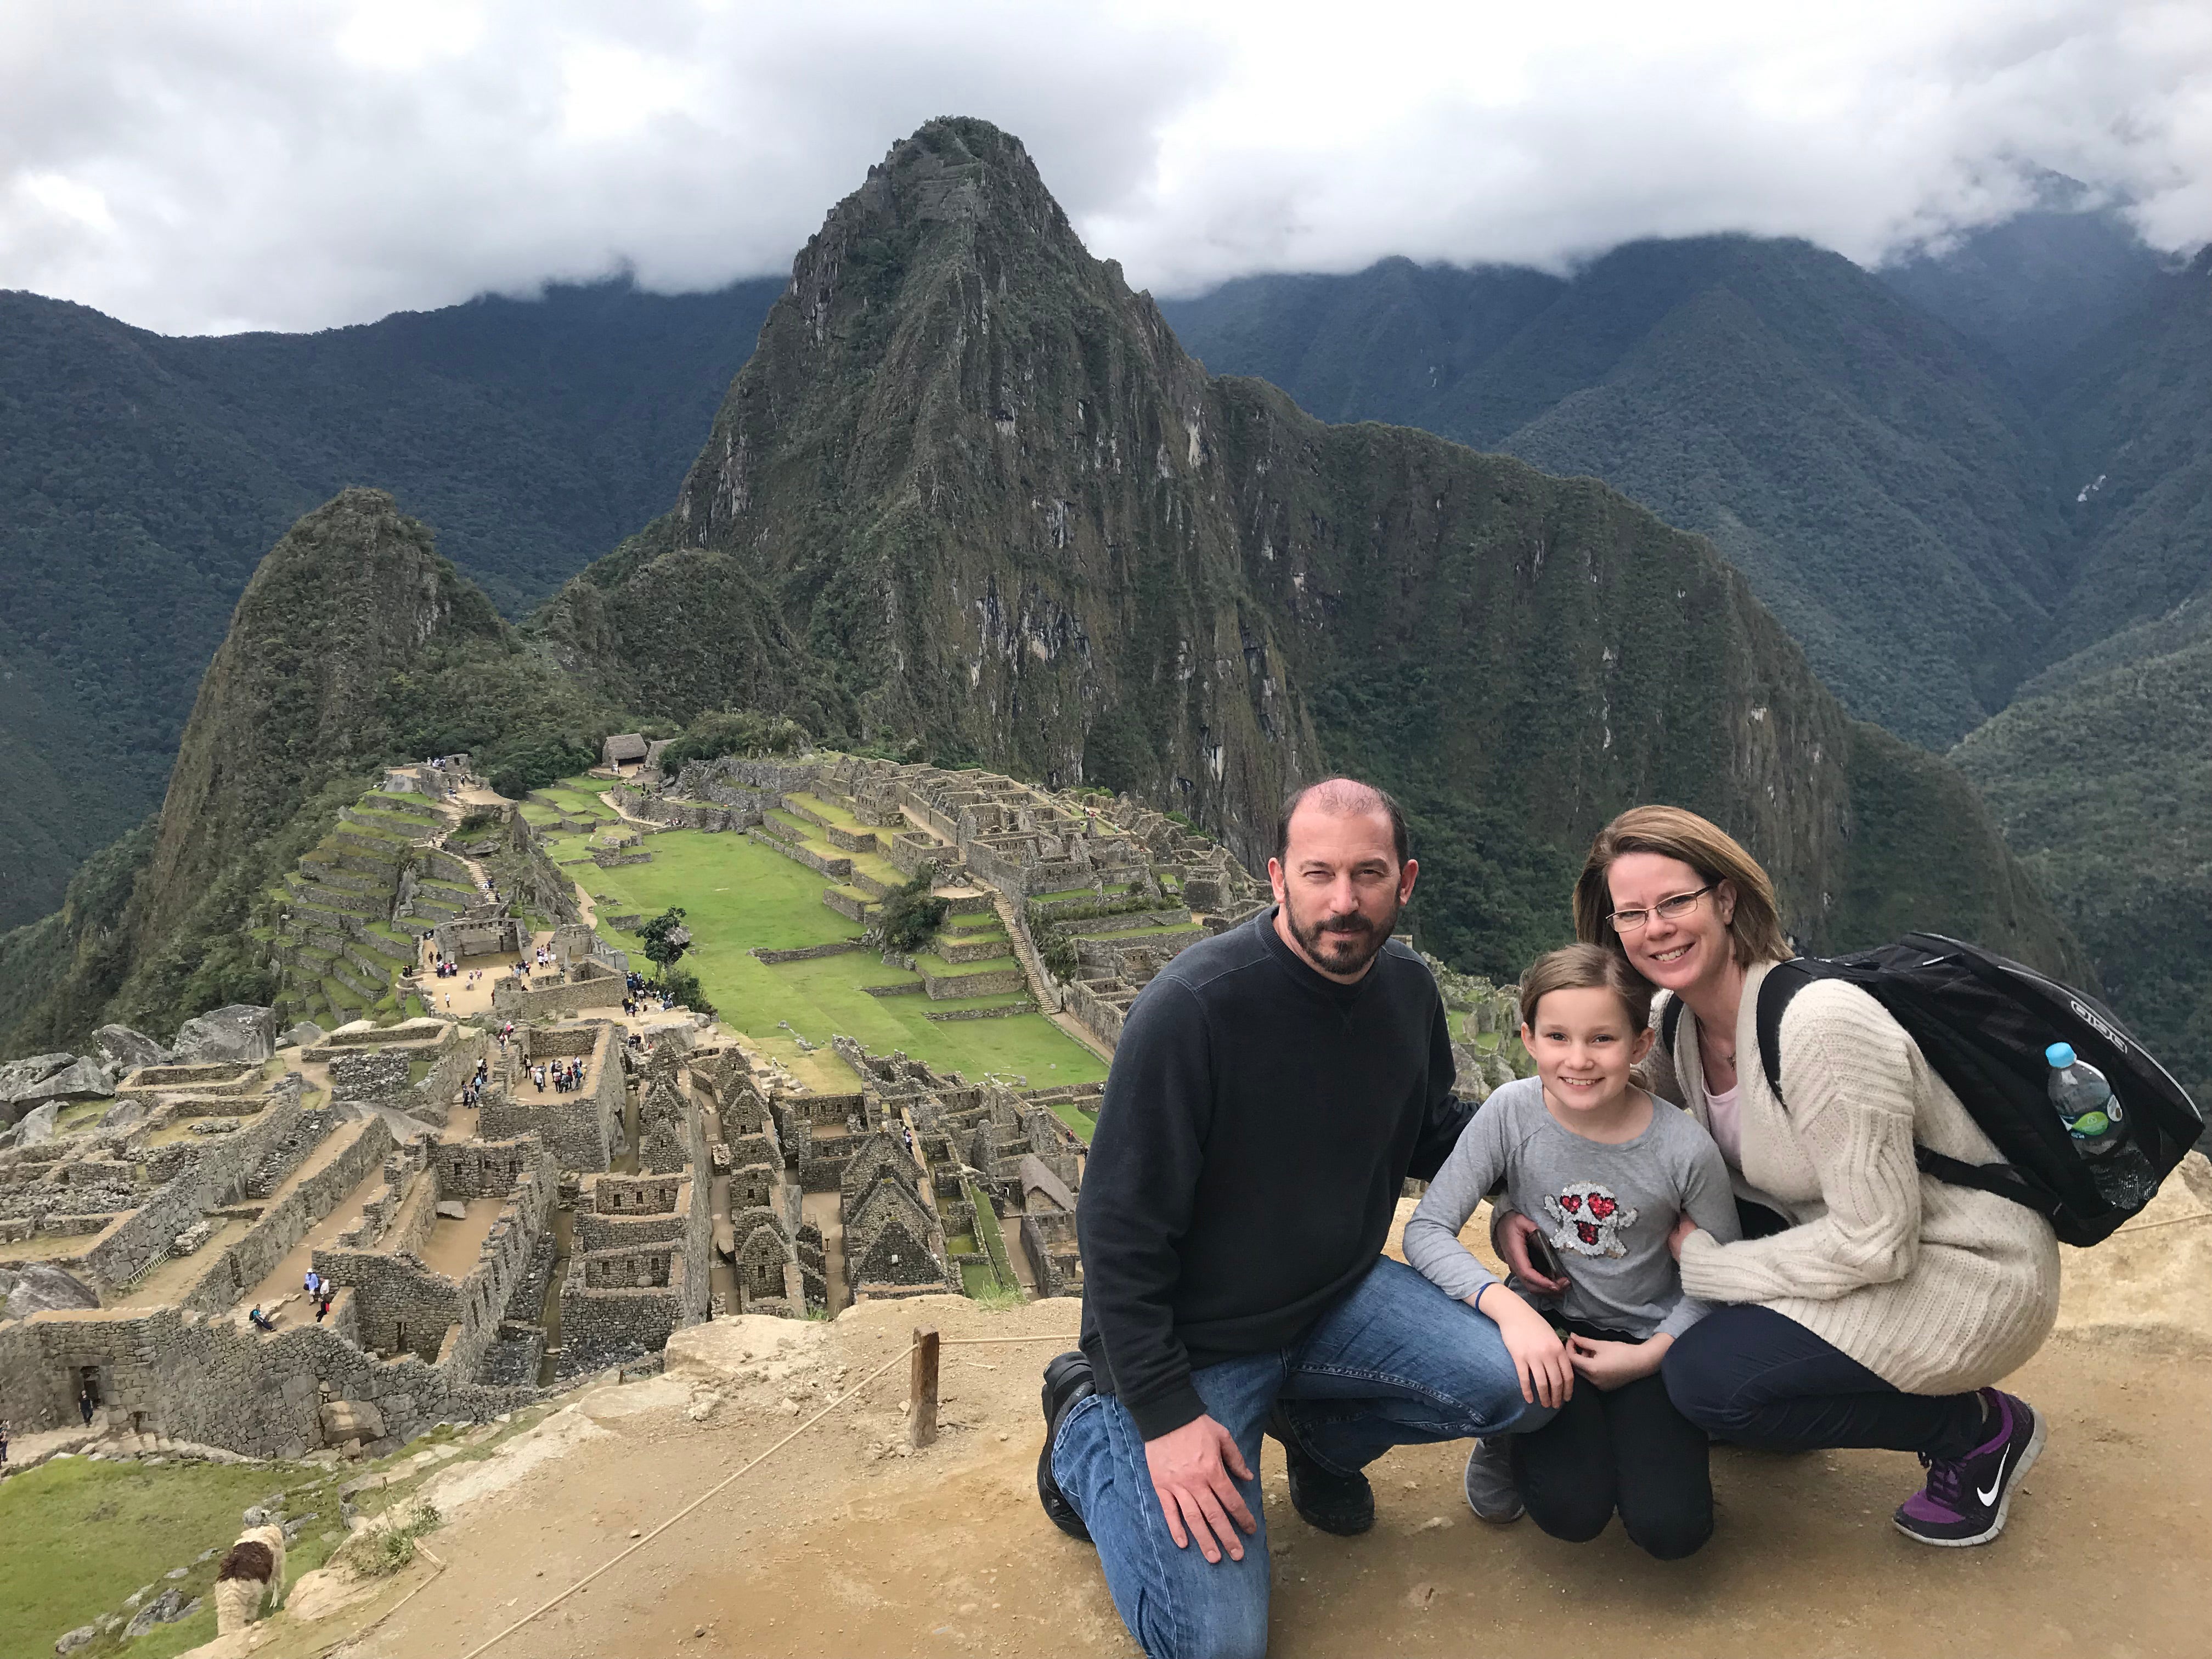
2008 480
971 487
2101 776
142 478
1876 478
353 645
2037 288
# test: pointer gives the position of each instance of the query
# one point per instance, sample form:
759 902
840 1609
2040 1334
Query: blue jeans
1397 1363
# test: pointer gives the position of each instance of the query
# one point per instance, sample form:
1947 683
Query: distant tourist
1273 1088
3 1440
1612 1169
323 1304
1869 1305
312 1283
85 1402
260 1322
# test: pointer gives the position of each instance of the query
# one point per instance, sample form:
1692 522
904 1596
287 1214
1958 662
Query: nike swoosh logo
1991 1496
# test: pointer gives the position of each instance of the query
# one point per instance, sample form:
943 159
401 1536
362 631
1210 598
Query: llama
251 1576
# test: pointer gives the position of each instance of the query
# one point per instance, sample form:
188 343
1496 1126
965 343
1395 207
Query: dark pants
1758 1378
1627 1450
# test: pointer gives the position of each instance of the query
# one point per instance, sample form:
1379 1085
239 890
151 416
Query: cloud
217 164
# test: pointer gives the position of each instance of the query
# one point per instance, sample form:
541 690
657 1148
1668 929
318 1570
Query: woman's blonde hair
1755 926
1586 968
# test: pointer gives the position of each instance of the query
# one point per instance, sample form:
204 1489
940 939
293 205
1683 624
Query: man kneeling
1271 1090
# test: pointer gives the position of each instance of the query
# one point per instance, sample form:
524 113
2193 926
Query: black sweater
1259 1124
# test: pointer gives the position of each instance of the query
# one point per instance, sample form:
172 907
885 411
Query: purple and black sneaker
1965 1497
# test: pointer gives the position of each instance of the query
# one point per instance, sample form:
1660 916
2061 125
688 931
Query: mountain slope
354 644
1883 488
2037 288
2101 776
142 477
2135 428
970 485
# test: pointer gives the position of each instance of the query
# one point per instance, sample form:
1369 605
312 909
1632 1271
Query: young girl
1611 1172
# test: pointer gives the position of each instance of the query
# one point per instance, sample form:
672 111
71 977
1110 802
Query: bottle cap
2060 1054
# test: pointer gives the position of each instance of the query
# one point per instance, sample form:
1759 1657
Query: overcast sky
196 166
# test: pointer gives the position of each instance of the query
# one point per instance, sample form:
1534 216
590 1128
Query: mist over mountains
971 493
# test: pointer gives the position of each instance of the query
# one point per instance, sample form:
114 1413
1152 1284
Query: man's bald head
1343 797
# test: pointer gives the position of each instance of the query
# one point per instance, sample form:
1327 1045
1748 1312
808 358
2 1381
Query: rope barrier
989 1342
2152 1226
900 1358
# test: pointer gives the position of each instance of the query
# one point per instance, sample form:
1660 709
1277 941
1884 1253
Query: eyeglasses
1668 909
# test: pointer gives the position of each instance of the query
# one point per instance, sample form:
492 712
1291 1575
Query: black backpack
1982 1022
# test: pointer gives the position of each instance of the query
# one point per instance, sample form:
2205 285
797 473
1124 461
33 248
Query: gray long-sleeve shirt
1606 1209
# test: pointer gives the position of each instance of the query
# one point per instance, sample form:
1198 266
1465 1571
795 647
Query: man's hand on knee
1191 1468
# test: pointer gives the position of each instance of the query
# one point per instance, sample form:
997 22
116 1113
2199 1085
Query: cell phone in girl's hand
1544 1259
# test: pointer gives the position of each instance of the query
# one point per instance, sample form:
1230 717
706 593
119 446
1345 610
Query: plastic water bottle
2084 1099
2092 1116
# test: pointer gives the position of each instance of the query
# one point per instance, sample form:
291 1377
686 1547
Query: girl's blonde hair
1754 928
1586 968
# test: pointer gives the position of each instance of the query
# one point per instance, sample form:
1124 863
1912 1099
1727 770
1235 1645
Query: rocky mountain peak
353 591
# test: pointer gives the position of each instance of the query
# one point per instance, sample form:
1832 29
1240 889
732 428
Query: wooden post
921 1389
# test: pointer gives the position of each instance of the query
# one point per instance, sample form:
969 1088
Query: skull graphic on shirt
1587 1220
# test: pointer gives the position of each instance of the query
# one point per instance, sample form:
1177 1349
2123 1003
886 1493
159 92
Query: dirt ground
842 1544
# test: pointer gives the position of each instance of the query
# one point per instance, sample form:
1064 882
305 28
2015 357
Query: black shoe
1067 1380
1341 1503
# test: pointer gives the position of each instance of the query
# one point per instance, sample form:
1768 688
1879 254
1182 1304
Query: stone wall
956 986
606 1314
371 1076
212 1175
578 1127
289 1220
512 1001
405 1305
432 1099
838 869
189 1377
1101 1018
488 1169
835 947
420 1030
498 936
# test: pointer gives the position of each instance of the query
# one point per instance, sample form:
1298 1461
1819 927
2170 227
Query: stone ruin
151 1194
205 1188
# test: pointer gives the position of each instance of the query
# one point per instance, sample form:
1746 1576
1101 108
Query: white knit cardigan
1934 1288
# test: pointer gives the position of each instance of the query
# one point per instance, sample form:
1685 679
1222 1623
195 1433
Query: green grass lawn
938 968
80 1537
978 1278
737 895
1082 1122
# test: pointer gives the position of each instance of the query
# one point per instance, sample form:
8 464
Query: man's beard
1347 945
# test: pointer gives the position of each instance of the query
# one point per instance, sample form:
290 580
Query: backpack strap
1783 982
1670 1021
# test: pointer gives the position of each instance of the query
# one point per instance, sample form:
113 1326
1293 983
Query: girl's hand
1606 1366
1509 1233
1548 1377
1683 1228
